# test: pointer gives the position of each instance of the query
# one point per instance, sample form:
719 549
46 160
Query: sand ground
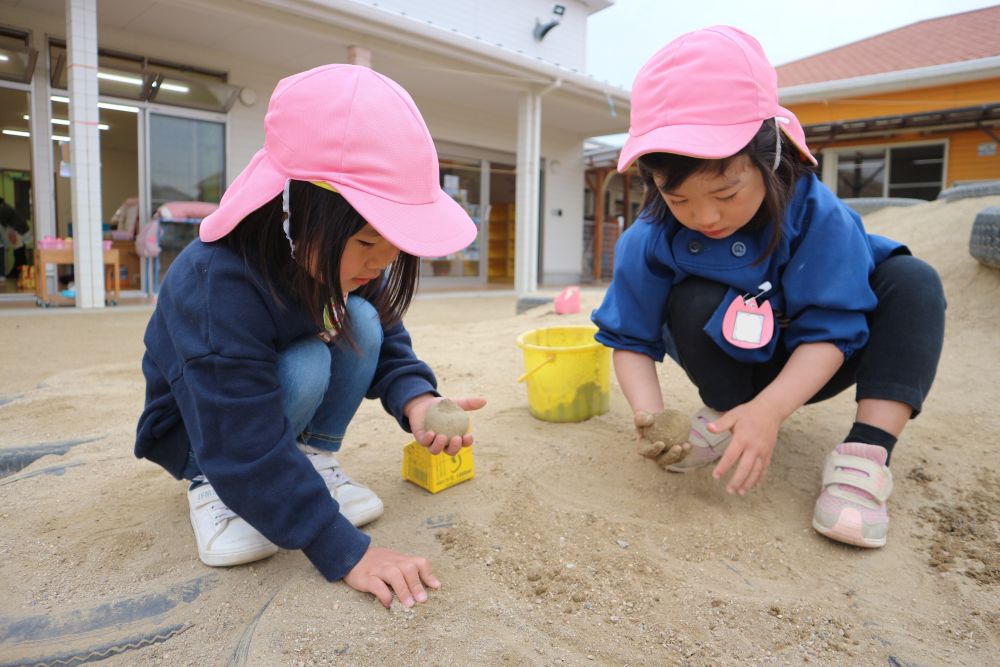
566 549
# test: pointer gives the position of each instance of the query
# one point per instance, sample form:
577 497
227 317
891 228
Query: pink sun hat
359 132
705 95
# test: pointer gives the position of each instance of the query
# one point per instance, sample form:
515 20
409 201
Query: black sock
872 435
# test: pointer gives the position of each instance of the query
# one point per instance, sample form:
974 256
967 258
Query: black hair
322 222
778 184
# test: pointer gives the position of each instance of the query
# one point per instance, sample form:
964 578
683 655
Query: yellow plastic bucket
568 373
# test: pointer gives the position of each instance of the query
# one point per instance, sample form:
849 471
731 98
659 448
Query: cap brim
708 142
702 141
431 229
256 185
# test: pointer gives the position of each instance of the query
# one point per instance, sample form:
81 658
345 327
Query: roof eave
402 28
597 5
919 77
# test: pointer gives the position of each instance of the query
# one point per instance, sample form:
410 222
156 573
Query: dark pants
897 364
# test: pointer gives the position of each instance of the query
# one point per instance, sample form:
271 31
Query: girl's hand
642 420
383 572
417 408
755 432
657 444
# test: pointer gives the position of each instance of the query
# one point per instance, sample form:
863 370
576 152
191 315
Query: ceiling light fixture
63 121
131 80
173 87
110 106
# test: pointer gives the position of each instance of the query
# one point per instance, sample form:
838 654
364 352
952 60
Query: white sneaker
358 503
224 538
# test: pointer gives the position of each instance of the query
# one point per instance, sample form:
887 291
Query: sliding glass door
186 163
187 159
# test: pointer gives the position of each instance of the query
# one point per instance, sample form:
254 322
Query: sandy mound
567 547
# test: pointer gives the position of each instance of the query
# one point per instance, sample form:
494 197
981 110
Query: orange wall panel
964 161
900 102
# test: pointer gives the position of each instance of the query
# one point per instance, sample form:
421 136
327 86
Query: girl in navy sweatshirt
271 329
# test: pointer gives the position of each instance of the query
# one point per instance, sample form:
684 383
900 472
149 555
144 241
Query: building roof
949 39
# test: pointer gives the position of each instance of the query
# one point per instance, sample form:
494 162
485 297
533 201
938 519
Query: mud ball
447 418
670 428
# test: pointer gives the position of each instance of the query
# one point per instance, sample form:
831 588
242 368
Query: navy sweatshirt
212 347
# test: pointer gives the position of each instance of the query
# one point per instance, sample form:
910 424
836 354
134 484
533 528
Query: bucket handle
548 359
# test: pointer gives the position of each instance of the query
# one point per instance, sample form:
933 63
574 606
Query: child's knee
366 327
911 279
304 371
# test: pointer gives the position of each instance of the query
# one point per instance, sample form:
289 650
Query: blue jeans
323 385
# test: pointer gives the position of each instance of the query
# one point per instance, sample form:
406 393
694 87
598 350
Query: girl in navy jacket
763 286
271 329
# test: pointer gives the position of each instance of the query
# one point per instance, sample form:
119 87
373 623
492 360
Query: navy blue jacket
819 276
212 347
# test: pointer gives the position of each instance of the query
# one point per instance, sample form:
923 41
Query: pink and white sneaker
706 447
856 485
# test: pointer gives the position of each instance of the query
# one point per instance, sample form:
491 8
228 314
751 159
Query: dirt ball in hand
669 427
447 418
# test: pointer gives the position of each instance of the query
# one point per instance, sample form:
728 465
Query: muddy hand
662 436
674 454
643 421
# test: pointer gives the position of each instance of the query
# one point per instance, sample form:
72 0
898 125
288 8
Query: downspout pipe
534 215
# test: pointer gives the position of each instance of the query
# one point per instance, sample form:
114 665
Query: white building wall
497 131
510 23
562 209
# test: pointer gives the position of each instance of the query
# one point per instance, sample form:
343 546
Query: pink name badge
747 325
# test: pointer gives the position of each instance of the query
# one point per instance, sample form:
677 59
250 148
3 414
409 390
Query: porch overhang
985 117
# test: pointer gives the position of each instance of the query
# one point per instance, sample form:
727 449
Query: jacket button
739 249
694 247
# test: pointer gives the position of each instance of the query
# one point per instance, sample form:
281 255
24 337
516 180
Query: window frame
886 147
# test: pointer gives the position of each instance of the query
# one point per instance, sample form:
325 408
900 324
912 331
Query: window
915 172
17 59
187 87
861 174
187 159
137 78
462 180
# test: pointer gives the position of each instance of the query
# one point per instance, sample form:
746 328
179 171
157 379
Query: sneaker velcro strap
699 425
205 494
876 480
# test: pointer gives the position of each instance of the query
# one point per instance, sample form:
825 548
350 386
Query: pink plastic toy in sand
568 301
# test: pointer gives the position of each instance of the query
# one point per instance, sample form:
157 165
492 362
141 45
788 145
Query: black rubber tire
984 189
984 243
865 205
